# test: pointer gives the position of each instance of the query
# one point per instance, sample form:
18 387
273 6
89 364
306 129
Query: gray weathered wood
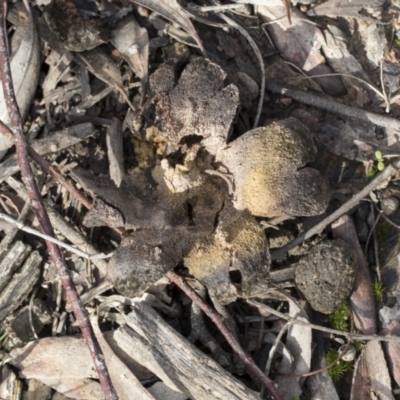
11 262
149 340
115 151
51 144
20 285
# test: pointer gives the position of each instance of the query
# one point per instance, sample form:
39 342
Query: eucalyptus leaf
171 10
25 68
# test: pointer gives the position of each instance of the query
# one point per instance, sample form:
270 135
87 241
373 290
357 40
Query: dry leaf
171 10
64 363
132 42
371 378
101 65
127 386
392 349
298 344
25 68
344 8
300 44
362 300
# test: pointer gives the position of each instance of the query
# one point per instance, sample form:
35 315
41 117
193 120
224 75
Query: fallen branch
386 173
333 106
38 207
52 239
252 368
348 335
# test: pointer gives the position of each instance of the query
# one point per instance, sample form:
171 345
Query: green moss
382 232
340 318
359 345
337 370
378 289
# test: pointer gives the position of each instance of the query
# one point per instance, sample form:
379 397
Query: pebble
389 205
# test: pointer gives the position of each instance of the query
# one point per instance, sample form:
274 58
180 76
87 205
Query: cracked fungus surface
267 164
326 275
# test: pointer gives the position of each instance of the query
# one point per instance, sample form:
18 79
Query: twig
274 348
386 97
348 335
49 169
52 239
376 251
372 230
33 295
385 217
222 176
377 266
386 173
333 106
257 52
43 218
252 368
218 8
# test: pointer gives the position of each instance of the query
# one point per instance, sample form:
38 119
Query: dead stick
333 106
252 368
386 173
38 207
265 310
49 169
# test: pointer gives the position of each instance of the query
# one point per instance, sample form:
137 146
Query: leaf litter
154 109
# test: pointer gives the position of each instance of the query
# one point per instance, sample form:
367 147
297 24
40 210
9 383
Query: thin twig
333 106
52 239
50 169
218 8
225 177
257 52
252 368
386 97
377 264
372 230
386 173
39 209
274 348
386 218
33 295
348 335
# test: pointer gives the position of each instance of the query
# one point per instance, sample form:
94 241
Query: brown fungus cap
268 166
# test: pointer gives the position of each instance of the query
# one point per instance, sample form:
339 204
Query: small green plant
379 166
337 370
382 232
340 318
381 161
396 43
378 289
359 345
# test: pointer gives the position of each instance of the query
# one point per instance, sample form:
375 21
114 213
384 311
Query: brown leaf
101 65
344 8
64 363
132 42
371 378
171 10
300 44
392 349
25 68
362 300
